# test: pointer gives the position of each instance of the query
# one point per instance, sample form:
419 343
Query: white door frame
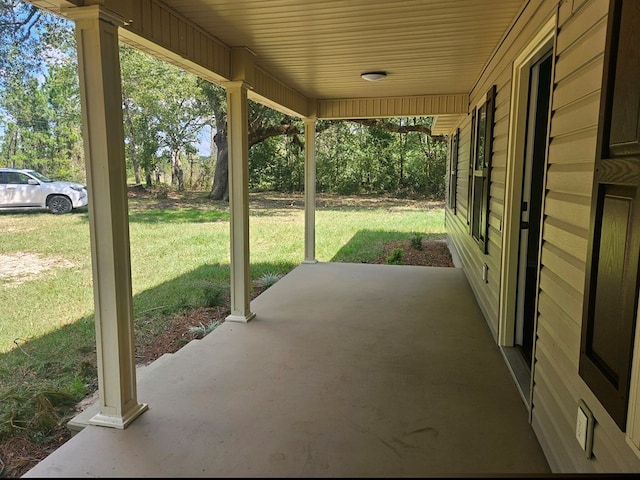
513 182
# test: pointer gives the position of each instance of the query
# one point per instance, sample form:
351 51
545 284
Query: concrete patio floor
348 370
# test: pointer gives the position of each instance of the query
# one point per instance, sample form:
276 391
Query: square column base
116 421
241 318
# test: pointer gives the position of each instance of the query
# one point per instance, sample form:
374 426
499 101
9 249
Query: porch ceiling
309 54
320 48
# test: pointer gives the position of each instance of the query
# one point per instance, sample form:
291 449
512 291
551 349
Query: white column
101 98
238 139
310 190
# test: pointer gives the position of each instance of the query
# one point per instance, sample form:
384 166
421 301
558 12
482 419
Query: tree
164 110
366 153
62 92
264 123
39 99
215 97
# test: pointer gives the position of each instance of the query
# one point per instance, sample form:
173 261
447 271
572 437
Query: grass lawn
179 253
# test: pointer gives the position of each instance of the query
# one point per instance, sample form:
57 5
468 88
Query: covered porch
396 376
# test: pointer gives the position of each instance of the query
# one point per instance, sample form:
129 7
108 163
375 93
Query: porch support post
310 190
101 99
238 139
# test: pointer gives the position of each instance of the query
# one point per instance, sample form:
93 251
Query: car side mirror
33 182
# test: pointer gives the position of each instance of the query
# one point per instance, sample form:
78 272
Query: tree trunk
136 167
177 173
134 157
220 189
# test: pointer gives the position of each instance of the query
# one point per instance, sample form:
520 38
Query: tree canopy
169 114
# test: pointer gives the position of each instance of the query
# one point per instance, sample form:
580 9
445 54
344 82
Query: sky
204 142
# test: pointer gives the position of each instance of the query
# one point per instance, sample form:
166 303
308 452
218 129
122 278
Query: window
611 283
480 169
16 178
453 169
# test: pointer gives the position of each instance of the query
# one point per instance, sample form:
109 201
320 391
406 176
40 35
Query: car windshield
39 176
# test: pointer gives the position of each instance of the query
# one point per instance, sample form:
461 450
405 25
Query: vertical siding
393 106
557 386
155 22
278 95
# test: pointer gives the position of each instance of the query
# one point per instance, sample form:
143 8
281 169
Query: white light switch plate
584 428
581 428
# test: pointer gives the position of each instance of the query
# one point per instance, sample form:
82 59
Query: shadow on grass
62 364
39 211
366 246
44 377
181 215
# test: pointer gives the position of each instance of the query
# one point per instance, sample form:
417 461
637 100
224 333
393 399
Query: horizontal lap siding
458 230
498 72
557 386
572 149
575 108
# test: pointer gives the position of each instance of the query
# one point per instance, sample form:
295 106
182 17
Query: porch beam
238 139
387 107
103 134
310 190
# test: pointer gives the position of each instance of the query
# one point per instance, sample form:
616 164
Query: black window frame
482 124
453 171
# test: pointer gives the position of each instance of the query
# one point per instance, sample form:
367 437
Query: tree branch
395 128
260 133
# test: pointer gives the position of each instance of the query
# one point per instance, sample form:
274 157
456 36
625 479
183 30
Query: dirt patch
156 198
20 267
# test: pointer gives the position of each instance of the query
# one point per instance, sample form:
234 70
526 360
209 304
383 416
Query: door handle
524 225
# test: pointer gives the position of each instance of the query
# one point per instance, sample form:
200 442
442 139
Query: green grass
179 260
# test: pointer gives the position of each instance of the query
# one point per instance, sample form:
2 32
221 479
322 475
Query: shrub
395 258
268 279
416 241
201 330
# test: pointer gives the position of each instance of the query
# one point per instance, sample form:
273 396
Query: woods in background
175 125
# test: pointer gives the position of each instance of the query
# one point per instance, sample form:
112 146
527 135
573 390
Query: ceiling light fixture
374 76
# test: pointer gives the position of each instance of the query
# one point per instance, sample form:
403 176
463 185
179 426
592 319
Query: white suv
22 188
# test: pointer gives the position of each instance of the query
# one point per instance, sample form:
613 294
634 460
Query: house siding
557 386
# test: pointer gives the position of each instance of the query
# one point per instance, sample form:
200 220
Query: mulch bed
434 253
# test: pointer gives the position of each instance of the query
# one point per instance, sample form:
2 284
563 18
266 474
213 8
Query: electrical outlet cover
581 428
584 428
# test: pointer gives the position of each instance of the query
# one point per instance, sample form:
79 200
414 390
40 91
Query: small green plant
395 258
416 240
201 330
268 279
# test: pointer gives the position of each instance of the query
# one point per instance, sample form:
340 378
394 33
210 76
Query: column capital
236 85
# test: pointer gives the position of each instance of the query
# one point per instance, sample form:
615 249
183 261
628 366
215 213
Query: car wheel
59 204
